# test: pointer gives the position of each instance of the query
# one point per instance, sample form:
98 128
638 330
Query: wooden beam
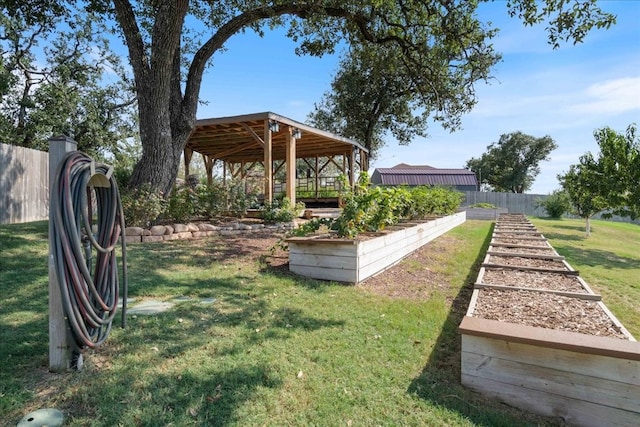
253 134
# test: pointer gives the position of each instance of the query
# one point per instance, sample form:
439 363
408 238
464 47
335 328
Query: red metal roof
426 176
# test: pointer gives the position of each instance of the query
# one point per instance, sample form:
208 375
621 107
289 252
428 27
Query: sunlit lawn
273 349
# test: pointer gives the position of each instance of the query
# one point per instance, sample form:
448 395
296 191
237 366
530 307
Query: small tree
618 169
581 184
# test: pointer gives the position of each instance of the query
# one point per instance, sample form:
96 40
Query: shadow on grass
169 368
439 381
596 258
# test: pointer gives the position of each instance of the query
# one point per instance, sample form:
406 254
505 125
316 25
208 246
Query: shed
413 175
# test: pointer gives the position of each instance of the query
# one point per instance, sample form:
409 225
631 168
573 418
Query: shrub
182 205
281 211
556 204
369 208
212 199
238 199
142 206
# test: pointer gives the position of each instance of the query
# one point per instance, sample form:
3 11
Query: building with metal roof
413 175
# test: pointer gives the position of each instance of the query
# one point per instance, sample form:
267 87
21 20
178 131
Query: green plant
556 204
281 210
182 205
367 208
212 199
239 200
142 206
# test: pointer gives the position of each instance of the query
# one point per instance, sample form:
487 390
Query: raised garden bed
540 339
354 260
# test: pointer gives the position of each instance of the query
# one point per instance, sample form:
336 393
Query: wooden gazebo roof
238 139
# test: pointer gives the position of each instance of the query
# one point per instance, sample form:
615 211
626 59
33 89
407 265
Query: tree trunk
160 159
588 226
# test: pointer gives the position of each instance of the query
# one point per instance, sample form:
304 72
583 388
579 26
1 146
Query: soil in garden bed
517 250
516 234
532 279
515 241
546 311
514 261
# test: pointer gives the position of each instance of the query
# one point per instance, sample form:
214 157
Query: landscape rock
134 231
158 230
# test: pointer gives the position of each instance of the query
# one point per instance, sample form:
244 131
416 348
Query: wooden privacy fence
24 184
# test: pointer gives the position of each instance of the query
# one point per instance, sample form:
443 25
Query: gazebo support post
209 162
188 153
268 164
291 167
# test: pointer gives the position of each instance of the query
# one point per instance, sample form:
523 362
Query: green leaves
370 209
612 179
512 163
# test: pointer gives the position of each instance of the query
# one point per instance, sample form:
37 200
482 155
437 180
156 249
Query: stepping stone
150 307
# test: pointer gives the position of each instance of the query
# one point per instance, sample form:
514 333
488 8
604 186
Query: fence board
24 184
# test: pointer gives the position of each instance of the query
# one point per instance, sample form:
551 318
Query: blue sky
565 93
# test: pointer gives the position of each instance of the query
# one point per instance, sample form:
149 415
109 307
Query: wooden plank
526 255
338 275
592 365
520 267
571 411
552 338
584 296
59 336
315 260
553 381
345 250
516 245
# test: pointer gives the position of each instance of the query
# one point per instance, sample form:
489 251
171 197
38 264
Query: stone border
161 233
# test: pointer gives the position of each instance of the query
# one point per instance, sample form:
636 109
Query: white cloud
611 97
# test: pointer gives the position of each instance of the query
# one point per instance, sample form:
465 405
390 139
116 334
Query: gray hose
89 295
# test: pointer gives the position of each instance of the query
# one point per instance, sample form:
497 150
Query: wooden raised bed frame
354 260
586 380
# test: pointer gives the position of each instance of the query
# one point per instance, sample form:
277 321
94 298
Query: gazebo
272 141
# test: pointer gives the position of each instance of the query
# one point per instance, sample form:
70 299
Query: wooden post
188 153
268 164
291 167
59 345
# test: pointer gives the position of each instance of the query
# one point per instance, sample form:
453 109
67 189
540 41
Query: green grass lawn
273 349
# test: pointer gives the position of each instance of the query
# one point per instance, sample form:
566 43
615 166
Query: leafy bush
238 199
369 208
556 204
212 199
182 205
281 210
142 206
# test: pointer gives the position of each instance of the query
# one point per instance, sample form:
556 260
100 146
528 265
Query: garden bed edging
354 260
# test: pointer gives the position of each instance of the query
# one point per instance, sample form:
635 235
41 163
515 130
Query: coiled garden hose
89 295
